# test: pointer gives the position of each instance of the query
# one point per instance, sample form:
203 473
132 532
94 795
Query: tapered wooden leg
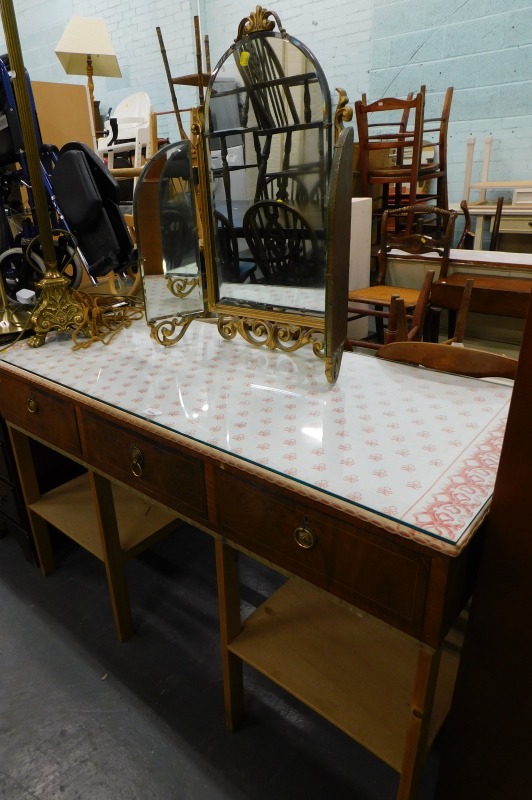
451 325
230 627
30 489
112 554
431 329
416 735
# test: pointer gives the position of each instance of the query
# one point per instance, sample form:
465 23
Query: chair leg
451 323
431 329
379 326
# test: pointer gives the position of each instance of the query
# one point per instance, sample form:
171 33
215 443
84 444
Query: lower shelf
356 674
70 508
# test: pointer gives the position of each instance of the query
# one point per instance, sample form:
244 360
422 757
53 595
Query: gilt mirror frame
288 330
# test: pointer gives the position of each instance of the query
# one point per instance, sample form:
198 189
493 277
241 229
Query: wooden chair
286 188
415 244
467 239
398 319
371 140
437 170
283 243
235 266
458 360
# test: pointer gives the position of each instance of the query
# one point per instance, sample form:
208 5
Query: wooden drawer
514 225
39 413
379 576
167 475
8 503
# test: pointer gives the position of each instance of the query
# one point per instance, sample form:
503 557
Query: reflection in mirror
268 136
173 284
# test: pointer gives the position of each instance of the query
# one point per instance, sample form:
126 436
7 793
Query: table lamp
85 49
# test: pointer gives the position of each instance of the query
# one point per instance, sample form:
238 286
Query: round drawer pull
305 537
137 459
32 406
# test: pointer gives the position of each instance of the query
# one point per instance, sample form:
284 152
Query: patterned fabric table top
418 449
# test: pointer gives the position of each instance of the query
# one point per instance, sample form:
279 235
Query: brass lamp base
13 319
55 310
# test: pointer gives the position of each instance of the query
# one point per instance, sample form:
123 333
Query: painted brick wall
338 33
383 47
131 27
481 47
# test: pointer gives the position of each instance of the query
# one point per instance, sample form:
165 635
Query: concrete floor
83 717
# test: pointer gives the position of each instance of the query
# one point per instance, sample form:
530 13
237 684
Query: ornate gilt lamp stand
55 310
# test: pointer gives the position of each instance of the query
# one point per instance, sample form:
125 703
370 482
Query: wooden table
367 494
515 218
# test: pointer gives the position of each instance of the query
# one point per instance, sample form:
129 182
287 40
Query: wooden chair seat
426 170
491 294
382 295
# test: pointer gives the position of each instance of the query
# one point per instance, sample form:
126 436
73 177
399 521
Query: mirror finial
258 21
342 114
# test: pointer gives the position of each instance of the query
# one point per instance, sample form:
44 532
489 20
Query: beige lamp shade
87 36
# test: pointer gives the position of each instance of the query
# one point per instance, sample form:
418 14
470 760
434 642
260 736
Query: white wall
383 47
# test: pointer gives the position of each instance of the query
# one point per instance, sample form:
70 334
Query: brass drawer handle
137 459
305 536
32 406
136 469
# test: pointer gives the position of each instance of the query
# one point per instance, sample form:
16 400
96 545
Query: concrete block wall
481 47
131 27
382 47
338 33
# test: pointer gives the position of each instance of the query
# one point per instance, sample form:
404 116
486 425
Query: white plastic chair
133 119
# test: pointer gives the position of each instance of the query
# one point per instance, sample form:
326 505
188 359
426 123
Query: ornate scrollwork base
180 286
273 335
163 330
56 310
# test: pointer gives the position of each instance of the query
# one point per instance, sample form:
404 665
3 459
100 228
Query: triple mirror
271 191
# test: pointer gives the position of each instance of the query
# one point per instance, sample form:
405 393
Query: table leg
112 554
420 711
30 489
479 232
230 627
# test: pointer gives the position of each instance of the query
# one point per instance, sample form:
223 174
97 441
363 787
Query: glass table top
415 446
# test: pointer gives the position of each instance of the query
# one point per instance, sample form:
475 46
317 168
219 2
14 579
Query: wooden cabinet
357 633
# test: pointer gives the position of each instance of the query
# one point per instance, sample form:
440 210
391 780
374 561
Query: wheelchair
90 235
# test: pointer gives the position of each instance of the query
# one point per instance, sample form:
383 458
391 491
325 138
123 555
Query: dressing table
368 494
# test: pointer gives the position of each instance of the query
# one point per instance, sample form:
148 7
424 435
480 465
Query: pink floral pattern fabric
418 447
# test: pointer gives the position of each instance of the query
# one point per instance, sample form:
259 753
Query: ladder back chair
373 136
437 170
414 244
283 243
398 320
